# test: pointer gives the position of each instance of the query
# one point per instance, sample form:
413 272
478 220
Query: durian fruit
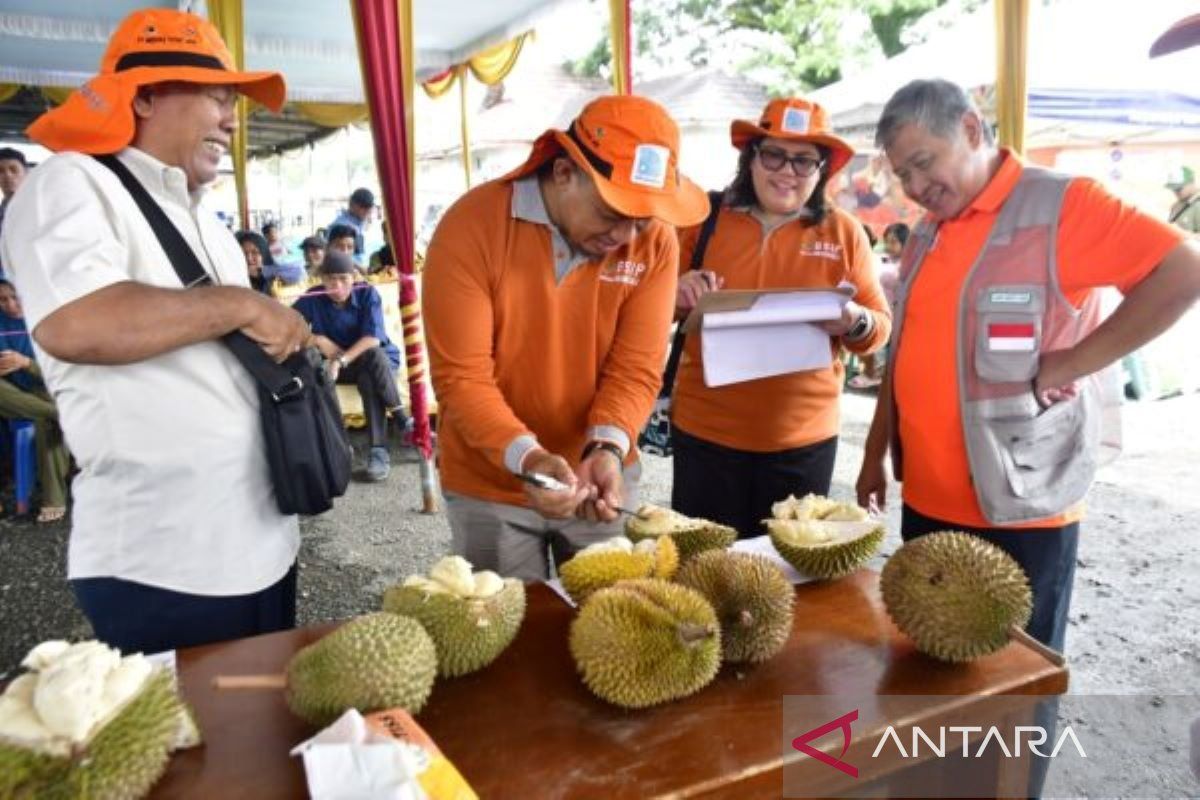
471 616
644 642
956 596
85 722
374 662
604 563
752 597
691 536
821 537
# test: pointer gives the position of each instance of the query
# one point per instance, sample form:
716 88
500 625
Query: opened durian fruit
821 537
604 563
752 597
958 597
371 663
471 616
644 642
691 535
86 722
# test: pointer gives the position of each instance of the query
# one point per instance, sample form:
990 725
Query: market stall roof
1089 74
59 43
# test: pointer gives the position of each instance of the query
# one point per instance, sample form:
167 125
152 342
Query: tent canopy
53 43
1090 75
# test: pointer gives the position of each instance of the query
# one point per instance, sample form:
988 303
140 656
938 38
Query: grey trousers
518 542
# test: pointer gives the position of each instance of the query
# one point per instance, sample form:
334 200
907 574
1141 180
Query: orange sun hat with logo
149 46
629 146
798 119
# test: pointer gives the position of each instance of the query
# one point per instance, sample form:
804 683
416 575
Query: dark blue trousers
1048 557
135 617
737 487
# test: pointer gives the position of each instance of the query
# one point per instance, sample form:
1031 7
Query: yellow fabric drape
489 66
618 11
1012 39
331 115
56 94
226 17
436 87
7 90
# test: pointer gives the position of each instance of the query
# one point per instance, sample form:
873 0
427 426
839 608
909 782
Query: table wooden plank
527 726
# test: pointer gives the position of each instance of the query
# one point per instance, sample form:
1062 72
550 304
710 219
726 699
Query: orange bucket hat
798 119
630 147
149 46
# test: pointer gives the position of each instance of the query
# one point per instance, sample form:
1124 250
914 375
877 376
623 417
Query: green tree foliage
798 44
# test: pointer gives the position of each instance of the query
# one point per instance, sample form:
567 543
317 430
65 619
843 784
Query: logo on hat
795 120
650 165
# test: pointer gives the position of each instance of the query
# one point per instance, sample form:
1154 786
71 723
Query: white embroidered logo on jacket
628 272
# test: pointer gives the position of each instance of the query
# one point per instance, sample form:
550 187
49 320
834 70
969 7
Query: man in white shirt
176 538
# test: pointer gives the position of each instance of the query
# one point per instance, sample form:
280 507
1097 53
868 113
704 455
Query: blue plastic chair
21 433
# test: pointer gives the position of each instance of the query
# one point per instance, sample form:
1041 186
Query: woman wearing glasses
740 447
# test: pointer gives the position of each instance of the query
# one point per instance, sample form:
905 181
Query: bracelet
341 360
861 328
601 444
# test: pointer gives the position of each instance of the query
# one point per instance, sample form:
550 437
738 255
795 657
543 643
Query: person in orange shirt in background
992 403
741 447
548 296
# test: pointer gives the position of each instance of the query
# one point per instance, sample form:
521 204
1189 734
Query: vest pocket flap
1047 439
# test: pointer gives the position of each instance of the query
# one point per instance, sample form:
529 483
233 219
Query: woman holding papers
742 446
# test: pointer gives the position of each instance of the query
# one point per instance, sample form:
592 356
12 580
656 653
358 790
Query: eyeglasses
773 159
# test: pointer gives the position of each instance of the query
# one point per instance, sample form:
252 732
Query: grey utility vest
1026 463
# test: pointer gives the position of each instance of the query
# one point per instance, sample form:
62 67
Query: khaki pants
518 542
53 459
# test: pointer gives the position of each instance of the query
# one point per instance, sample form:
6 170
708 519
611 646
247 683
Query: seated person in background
270 232
341 239
262 266
347 325
382 259
314 253
24 396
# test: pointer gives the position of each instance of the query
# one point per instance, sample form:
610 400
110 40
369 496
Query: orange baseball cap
630 147
149 46
794 118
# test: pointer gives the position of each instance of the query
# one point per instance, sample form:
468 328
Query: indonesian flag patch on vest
1011 337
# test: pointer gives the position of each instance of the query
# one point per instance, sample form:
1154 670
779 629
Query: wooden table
526 727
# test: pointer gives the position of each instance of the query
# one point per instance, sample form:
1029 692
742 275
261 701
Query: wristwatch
860 328
341 360
600 444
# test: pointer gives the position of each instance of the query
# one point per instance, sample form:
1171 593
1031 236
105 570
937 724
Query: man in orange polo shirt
548 296
992 396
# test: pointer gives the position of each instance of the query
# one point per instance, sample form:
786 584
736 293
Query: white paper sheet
775 336
761 545
349 761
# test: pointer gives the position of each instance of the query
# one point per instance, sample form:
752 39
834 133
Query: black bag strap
706 232
277 380
1191 201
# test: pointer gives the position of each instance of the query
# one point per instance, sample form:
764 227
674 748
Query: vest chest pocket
1008 332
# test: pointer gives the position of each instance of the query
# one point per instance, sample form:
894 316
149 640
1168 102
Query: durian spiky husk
123 759
645 642
469 632
691 536
752 597
374 662
955 595
823 549
596 568
822 537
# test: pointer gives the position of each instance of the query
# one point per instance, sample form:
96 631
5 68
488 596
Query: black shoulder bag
655 438
307 448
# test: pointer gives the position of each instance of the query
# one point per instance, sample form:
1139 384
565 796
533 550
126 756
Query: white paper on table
775 336
165 659
761 545
349 761
556 586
